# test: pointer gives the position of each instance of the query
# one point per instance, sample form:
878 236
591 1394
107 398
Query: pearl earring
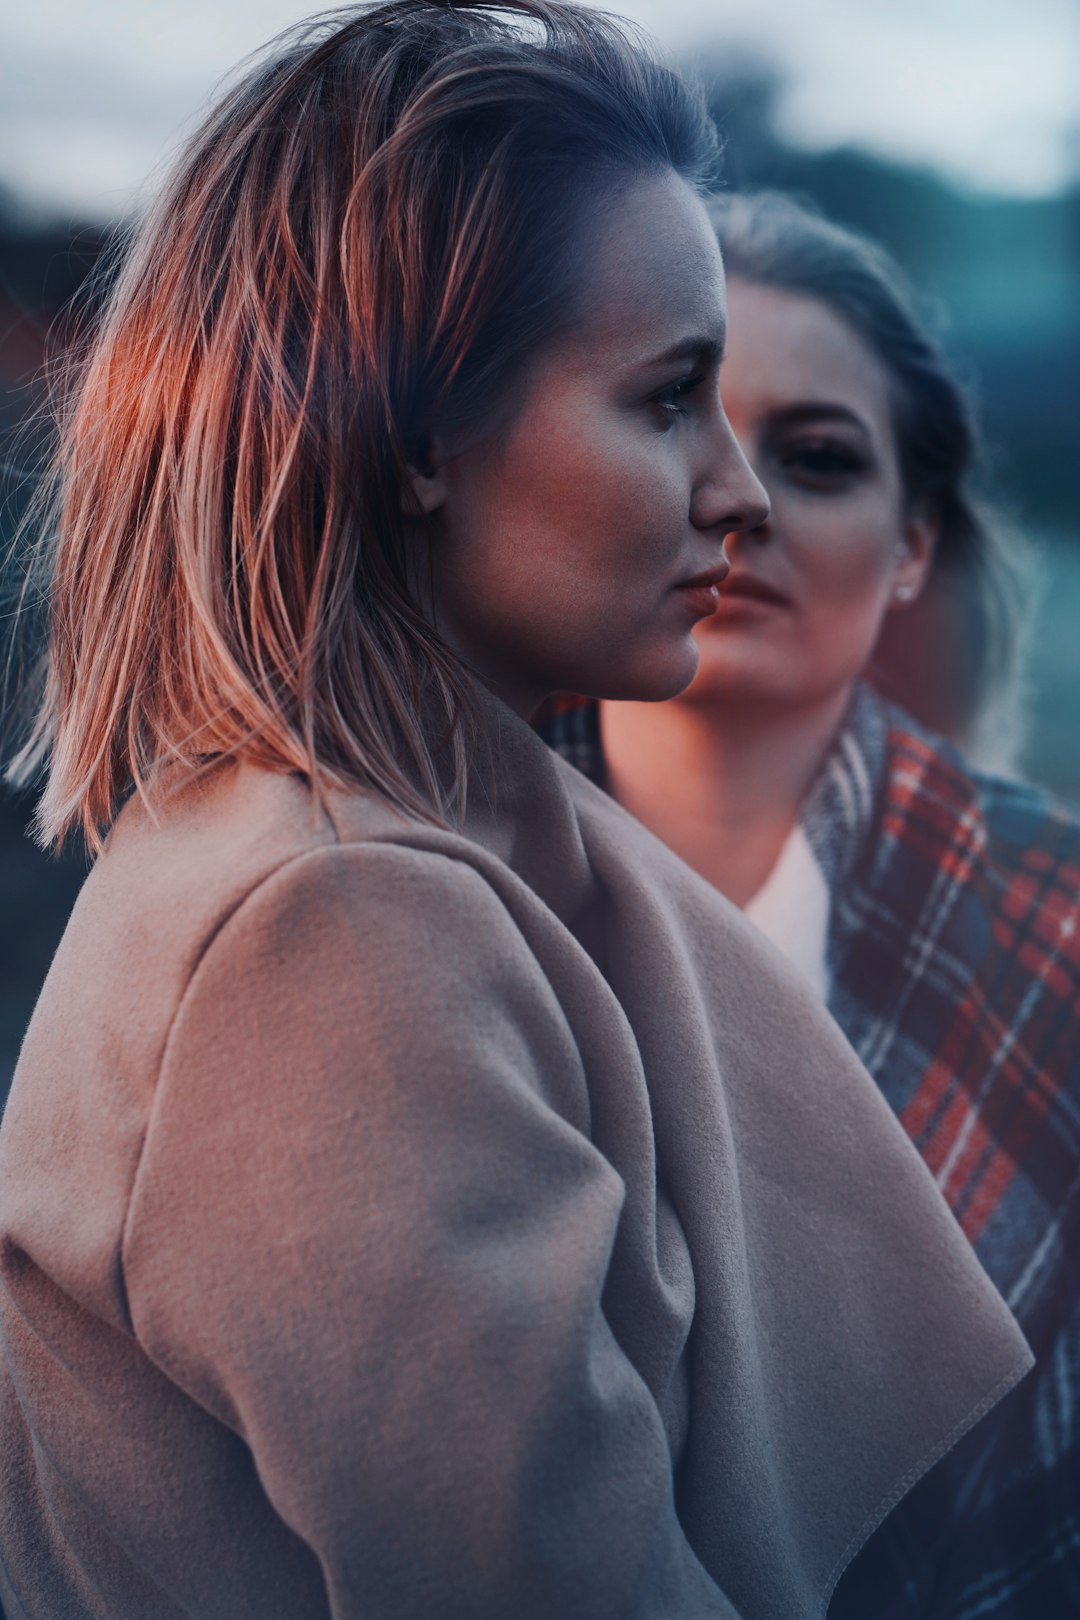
904 593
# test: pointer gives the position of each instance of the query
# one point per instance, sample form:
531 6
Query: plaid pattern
954 953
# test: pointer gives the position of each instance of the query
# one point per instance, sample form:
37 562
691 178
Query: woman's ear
426 490
915 554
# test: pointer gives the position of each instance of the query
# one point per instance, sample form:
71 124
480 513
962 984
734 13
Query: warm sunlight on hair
224 528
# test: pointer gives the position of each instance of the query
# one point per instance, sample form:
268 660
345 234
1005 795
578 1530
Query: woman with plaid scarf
936 908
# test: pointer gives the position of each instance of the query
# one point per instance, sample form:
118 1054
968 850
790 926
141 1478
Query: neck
721 785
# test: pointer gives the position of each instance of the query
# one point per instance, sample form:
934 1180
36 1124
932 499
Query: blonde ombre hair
366 239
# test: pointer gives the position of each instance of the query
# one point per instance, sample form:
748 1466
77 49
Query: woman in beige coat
420 1195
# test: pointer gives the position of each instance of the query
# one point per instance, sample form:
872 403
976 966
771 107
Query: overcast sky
95 93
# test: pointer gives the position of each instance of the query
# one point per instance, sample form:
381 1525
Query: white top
792 909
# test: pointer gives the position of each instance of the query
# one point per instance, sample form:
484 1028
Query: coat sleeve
369 1233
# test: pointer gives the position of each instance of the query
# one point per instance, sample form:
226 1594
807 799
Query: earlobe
426 489
424 494
915 556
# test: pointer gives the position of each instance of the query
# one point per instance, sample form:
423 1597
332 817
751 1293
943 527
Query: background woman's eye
823 462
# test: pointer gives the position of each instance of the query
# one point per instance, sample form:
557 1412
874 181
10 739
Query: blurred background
950 129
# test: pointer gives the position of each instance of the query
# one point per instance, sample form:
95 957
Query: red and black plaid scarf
954 955
955 944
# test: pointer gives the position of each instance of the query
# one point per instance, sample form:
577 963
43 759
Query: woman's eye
822 463
671 400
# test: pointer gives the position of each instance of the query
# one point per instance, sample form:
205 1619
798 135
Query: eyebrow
706 348
813 410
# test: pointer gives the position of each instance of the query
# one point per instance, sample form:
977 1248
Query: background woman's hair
365 240
952 657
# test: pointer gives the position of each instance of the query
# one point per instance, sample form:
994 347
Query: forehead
786 348
651 276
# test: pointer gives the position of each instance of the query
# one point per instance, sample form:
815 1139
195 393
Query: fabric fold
363 1179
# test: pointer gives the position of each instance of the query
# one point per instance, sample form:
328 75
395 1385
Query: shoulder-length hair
366 238
954 655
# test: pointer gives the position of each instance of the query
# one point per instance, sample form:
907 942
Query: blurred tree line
998 276
42 268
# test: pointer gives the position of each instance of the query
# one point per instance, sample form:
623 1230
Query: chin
650 679
771 686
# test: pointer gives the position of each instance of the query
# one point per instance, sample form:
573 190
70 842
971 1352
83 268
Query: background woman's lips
752 589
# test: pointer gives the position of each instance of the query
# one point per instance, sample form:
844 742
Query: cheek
844 560
600 502
564 542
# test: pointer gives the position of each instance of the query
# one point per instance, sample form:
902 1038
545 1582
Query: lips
754 590
701 593
708 578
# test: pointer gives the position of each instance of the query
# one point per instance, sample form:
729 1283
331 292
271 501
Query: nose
731 498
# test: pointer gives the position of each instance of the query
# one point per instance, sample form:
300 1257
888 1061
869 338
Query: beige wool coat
404 1225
